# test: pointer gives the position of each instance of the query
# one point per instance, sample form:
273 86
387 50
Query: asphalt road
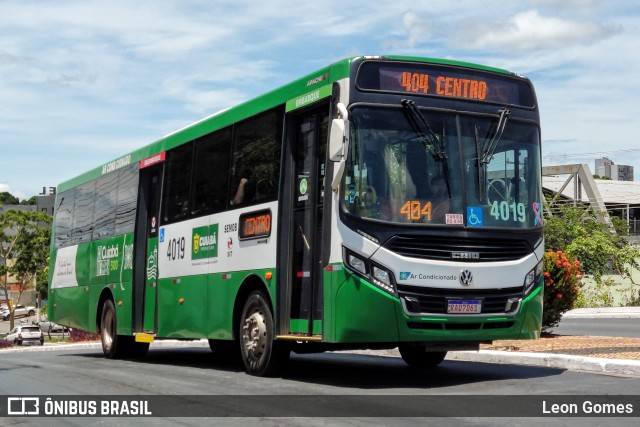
599 327
353 378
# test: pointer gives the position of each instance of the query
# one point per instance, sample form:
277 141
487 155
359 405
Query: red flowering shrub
76 335
561 286
4 343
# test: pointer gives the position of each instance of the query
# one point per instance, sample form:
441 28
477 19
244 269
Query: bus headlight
382 279
533 277
373 273
357 264
381 275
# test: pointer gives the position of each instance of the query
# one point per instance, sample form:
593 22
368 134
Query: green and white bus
379 202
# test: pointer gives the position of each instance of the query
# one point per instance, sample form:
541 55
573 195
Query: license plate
457 306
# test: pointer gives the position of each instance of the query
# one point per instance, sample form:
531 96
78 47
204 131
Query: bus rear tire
418 357
261 354
111 342
116 346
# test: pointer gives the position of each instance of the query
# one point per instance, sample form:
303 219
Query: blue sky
83 82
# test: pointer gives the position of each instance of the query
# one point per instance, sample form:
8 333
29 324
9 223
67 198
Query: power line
595 153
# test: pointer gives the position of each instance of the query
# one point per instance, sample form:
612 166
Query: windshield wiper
485 152
492 140
425 134
435 145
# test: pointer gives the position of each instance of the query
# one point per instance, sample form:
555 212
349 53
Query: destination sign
254 225
444 81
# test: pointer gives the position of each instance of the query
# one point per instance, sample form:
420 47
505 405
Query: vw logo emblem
466 278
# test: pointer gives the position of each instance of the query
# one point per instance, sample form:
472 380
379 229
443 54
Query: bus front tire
261 354
419 358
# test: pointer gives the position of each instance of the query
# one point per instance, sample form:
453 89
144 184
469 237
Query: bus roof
224 118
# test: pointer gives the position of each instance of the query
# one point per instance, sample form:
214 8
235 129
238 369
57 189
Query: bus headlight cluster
357 264
370 271
533 278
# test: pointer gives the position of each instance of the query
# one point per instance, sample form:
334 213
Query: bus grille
434 300
458 249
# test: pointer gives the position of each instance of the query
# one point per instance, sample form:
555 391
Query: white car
26 335
19 311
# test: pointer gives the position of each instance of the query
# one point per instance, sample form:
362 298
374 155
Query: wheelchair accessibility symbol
474 216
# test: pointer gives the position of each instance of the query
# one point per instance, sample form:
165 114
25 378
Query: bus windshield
413 166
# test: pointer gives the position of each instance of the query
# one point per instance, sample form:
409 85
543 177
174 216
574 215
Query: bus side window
255 164
63 223
177 180
210 173
125 217
82 228
104 212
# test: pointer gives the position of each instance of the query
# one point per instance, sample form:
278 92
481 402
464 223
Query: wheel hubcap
254 335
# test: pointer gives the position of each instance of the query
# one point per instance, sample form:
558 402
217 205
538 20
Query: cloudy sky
83 82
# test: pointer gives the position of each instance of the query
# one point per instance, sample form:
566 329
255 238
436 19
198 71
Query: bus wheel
418 357
112 345
116 346
262 356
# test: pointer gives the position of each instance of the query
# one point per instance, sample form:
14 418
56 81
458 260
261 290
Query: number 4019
508 212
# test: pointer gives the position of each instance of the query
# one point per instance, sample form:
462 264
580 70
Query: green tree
8 199
24 248
575 231
30 201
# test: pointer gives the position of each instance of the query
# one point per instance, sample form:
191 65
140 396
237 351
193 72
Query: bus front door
146 250
307 136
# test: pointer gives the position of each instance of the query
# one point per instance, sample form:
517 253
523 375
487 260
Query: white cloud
572 5
6 187
530 31
418 29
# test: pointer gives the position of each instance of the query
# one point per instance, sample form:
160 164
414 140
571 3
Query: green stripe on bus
309 98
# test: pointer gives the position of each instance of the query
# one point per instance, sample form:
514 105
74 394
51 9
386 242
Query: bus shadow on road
378 372
196 358
355 370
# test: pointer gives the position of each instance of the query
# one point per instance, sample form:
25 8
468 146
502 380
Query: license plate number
464 306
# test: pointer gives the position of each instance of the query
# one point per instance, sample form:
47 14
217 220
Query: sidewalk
612 312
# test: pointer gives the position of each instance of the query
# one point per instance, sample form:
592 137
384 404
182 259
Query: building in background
45 203
573 184
605 168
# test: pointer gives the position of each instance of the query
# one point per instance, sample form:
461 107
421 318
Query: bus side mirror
338 143
337 140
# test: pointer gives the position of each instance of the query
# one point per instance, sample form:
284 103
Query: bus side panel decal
64 273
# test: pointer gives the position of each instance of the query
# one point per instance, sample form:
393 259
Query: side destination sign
116 164
309 98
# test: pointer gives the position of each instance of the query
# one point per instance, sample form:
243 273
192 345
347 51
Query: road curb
552 360
544 360
604 312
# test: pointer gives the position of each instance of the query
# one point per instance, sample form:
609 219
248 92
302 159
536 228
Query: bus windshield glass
413 166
